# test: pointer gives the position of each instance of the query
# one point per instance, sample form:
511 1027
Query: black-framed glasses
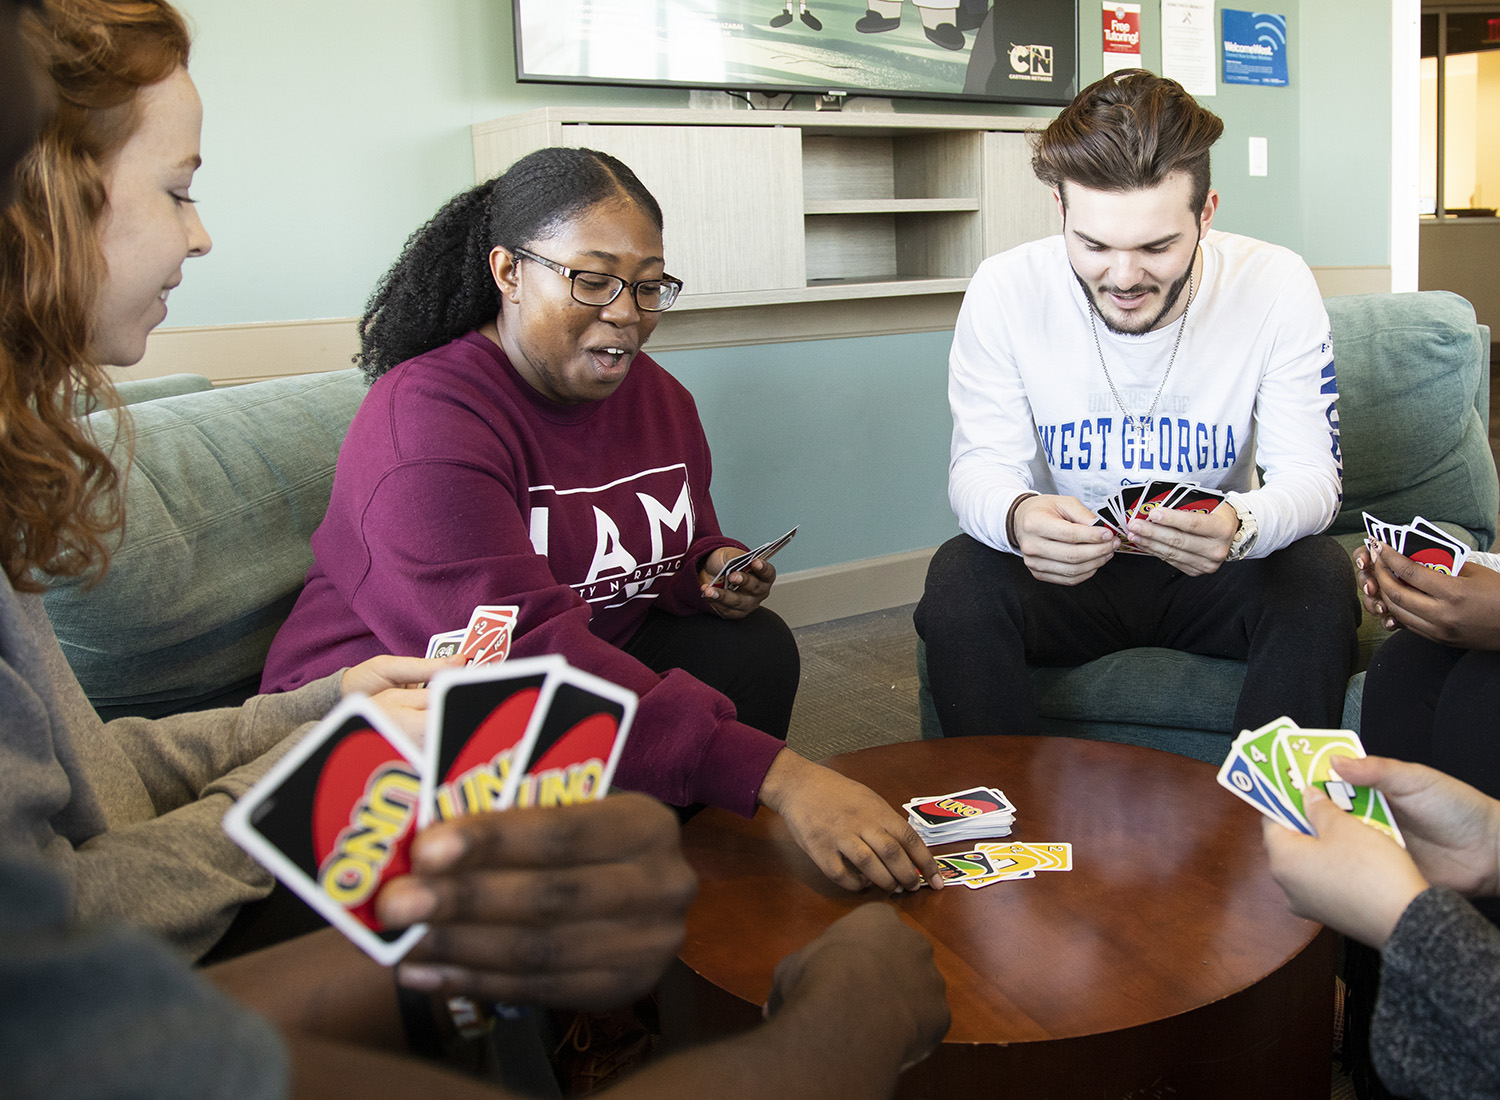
595 288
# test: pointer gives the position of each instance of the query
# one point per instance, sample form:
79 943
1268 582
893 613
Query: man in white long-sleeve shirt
1139 345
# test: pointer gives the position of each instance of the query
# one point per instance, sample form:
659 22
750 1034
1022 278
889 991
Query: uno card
765 551
1240 779
571 753
334 820
959 866
1197 499
1108 517
445 644
1275 768
1155 495
1311 750
1439 555
478 721
487 637
1129 497
959 807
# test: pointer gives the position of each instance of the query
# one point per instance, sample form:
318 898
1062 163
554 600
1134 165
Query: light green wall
334 128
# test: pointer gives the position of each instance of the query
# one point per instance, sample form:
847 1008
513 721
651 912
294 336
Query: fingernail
407 906
424 979
1379 607
437 851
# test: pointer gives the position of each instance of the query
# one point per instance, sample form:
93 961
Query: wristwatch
1245 535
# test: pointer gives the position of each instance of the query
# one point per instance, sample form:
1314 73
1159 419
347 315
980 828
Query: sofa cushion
223 494
1414 411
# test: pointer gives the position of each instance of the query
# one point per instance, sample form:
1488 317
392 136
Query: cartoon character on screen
942 23
785 16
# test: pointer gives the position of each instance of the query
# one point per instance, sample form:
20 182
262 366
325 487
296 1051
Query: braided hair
440 287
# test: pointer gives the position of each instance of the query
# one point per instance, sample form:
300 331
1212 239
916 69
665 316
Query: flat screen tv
1008 51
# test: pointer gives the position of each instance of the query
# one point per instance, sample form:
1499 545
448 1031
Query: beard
1133 328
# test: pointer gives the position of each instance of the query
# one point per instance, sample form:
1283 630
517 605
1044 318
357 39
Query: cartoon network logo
1030 62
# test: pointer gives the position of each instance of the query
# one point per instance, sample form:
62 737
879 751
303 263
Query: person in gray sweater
1436 1028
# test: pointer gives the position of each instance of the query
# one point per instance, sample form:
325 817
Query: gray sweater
129 812
1436 1031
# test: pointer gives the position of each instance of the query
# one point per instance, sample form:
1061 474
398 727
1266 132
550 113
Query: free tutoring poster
1254 48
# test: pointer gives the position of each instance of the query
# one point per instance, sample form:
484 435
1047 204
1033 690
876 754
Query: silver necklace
1181 326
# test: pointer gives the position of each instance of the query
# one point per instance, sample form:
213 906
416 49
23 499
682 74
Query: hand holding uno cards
1272 766
1140 499
765 551
335 818
1423 542
485 640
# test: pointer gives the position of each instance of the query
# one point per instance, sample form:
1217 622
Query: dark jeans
1291 616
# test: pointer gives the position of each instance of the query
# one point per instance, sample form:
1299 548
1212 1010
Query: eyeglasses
594 288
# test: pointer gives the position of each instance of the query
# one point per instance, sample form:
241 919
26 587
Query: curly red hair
60 495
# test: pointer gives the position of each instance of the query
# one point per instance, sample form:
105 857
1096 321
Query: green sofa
1414 404
225 490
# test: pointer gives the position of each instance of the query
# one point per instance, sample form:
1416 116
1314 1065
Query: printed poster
1255 48
1122 36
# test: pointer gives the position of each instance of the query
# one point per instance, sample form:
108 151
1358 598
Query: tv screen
1009 51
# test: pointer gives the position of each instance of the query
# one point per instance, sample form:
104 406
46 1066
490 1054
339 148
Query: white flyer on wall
1122 36
1187 44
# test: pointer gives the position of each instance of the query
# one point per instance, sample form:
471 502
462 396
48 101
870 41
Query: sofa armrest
224 491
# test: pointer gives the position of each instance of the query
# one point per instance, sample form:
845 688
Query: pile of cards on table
334 819
484 641
1138 499
1004 862
1423 542
1270 768
962 815
765 551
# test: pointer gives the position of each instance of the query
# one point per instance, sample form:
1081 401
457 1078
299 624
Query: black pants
1291 616
753 661
1435 705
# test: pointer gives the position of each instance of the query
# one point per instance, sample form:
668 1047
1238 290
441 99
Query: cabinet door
1017 206
731 197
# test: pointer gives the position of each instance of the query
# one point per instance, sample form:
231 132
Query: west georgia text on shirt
611 542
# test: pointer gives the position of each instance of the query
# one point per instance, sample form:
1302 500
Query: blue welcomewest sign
1254 48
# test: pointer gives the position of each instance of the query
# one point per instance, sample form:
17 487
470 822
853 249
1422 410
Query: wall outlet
1258 156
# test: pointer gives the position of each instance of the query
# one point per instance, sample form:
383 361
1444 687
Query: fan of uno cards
334 819
1272 766
1141 498
1422 541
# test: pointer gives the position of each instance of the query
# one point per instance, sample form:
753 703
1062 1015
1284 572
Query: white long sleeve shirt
1253 385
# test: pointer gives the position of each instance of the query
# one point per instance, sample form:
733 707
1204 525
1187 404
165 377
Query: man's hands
848 830
1056 539
573 906
870 958
742 591
398 686
1356 879
1461 611
1189 541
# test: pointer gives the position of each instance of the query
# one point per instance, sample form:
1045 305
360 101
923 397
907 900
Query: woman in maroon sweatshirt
516 447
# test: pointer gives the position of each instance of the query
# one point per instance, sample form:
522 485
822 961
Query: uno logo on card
572 770
1440 561
479 771
960 809
364 811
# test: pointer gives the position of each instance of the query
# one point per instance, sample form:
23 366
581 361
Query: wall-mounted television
1008 51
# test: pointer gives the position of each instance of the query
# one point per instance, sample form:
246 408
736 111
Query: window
1460 167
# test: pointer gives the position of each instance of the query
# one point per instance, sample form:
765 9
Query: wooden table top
1170 905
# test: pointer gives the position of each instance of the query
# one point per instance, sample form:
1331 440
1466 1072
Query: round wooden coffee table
1166 963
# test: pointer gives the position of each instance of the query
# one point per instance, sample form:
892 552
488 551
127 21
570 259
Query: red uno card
478 721
488 636
576 742
334 820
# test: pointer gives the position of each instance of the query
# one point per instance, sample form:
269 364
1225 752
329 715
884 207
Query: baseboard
850 588
230 354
